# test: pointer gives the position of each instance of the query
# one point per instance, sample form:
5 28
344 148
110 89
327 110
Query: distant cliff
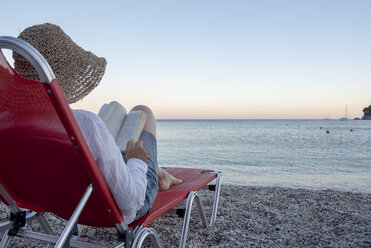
367 113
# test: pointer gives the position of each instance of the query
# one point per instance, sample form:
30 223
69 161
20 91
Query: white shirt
127 182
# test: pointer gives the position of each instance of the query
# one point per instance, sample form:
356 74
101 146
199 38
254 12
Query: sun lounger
47 167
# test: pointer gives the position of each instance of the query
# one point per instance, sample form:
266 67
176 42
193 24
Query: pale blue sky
219 59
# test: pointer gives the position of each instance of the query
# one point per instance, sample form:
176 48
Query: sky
201 59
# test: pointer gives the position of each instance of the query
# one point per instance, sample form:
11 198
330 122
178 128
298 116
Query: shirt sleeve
127 182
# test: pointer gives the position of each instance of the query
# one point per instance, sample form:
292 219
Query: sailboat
327 117
345 118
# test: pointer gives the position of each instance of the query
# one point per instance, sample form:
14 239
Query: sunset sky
219 59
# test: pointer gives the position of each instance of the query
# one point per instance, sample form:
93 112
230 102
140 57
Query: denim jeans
150 144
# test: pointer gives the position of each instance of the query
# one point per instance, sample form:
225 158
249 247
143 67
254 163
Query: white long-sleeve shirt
127 182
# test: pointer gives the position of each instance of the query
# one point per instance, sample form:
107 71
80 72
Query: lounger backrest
45 163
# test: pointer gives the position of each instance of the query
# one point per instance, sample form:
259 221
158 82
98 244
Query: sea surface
312 154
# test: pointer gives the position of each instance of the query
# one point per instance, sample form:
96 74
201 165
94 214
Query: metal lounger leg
9 224
5 240
5 226
216 199
74 218
191 197
143 233
45 225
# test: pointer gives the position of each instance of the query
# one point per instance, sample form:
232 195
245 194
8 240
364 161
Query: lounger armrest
32 55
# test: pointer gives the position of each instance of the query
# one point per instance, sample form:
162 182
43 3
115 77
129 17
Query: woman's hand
136 150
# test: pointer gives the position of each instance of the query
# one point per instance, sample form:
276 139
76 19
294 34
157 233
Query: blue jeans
150 144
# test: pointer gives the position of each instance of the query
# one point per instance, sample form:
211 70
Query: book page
131 129
113 115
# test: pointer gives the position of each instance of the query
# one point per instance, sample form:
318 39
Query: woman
134 177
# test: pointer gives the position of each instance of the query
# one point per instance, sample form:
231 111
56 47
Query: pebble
91 233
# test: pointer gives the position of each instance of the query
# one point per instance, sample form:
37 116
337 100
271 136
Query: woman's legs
150 124
165 180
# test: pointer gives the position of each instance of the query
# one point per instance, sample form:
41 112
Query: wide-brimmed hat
77 71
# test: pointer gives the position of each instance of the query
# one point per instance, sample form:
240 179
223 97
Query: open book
122 125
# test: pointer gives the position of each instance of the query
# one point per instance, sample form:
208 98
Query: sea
310 154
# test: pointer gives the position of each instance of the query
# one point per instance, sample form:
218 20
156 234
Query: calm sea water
288 153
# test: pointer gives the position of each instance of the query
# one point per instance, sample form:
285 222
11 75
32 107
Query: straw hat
77 71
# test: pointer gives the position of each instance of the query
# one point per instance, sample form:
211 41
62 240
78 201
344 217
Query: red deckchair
46 166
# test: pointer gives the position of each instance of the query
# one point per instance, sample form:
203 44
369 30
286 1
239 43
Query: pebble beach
256 217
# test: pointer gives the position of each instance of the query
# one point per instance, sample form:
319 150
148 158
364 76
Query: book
122 125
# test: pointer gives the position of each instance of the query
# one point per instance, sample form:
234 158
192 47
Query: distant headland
367 113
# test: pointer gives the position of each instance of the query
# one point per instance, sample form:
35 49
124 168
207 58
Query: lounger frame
127 236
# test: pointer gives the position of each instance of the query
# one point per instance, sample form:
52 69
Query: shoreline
258 216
